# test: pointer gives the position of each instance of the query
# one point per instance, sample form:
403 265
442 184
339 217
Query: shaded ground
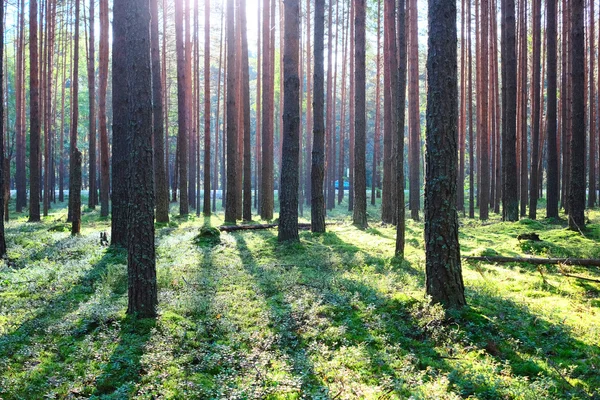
334 317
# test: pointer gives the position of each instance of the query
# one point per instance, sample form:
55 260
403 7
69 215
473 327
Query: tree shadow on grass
532 346
35 367
123 370
285 324
533 355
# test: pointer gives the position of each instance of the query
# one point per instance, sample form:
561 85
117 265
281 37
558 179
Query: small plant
209 235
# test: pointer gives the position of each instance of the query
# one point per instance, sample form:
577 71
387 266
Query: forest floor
333 317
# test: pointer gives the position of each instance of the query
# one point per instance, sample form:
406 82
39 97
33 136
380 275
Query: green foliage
334 316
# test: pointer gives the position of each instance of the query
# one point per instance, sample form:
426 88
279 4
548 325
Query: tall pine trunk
232 145
535 129
401 93
161 186
442 266
317 210
577 187
75 158
34 114
288 198
551 57
92 198
141 261
359 215
510 200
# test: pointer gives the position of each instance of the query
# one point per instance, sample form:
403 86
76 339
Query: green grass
333 317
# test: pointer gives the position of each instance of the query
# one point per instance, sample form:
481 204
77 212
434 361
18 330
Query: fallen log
255 227
583 262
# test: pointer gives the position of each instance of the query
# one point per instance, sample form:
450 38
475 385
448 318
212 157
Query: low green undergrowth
335 316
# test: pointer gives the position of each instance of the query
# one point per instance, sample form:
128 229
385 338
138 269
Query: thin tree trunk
206 190
102 86
309 108
34 114
460 195
414 114
182 119
522 92
352 113
247 196
3 182
20 177
592 108
551 57
92 108
267 200
377 134
161 188
75 158
400 104
535 135
470 106
484 161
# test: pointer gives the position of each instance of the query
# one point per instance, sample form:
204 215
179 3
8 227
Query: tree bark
577 172
247 183
377 134
317 210
510 200
141 267
443 269
470 107
288 196
120 145
20 174
34 113
414 115
592 109
267 177
551 57
484 160
3 183
75 191
232 145
400 104
535 130
182 109
102 86
92 200
359 215
524 183
206 204
158 131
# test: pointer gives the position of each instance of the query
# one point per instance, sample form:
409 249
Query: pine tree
288 200
552 122
317 210
577 185
2 164
510 200
359 215
141 264
34 114
444 274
